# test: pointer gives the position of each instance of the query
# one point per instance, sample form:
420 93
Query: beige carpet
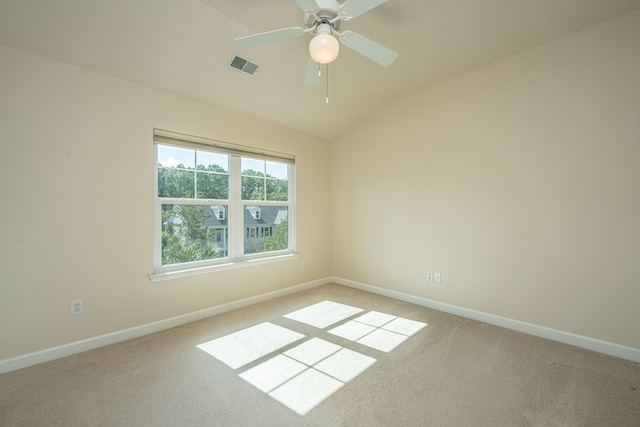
387 363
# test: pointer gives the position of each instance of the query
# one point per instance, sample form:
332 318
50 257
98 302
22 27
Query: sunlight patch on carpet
404 326
306 391
273 372
352 331
382 340
312 351
345 365
377 330
323 314
375 318
240 348
302 375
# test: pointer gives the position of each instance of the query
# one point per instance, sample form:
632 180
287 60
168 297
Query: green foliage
176 250
211 182
184 236
174 182
191 220
279 240
258 186
253 245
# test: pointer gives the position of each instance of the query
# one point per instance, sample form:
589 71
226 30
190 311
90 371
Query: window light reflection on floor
300 386
305 375
243 347
378 330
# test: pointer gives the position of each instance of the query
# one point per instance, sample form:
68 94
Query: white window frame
235 208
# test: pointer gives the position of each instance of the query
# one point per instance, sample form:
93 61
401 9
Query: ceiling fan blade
269 36
308 6
367 47
313 74
353 8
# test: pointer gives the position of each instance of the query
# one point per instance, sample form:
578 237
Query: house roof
269 215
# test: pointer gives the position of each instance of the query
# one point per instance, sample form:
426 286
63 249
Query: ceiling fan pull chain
327 73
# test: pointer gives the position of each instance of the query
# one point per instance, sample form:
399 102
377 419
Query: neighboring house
259 223
217 225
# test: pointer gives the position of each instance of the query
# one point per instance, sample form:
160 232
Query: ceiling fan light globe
324 48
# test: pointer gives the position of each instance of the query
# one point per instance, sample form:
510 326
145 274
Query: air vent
244 65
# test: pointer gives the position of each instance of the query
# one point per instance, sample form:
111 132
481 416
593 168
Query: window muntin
203 196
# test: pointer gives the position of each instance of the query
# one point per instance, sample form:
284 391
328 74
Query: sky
169 156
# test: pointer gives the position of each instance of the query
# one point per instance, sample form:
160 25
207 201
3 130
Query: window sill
177 274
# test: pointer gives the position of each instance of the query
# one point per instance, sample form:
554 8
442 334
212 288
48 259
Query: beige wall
76 165
518 181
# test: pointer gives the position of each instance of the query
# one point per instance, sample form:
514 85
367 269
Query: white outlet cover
76 307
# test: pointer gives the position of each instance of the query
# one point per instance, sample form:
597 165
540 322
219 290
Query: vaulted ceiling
184 47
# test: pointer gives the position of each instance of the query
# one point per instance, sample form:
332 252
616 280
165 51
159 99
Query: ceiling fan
324 19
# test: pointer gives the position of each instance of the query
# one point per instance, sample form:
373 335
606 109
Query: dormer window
219 212
254 211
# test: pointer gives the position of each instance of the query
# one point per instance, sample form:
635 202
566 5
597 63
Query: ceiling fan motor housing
328 10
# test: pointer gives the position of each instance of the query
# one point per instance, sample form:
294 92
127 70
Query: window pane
212 185
266 229
175 172
178 179
172 157
213 175
252 167
262 180
277 189
193 233
173 182
252 188
277 170
212 162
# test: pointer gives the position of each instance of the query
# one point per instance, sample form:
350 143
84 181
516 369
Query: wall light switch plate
436 277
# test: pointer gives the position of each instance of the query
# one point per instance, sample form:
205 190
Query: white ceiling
184 46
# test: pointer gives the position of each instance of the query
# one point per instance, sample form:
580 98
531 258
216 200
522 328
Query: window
219 203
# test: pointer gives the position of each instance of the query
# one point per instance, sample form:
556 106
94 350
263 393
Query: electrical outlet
304 264
76 307
429 276
436 277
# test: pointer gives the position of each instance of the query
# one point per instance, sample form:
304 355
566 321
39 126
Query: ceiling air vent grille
244 65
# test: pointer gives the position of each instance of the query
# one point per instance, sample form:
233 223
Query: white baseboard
46 355
593 344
